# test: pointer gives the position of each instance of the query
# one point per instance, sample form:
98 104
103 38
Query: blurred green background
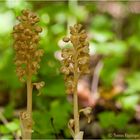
113 87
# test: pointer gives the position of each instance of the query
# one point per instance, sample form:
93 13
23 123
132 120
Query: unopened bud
38 29
66 39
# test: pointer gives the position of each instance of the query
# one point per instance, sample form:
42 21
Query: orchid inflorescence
26 35
76 58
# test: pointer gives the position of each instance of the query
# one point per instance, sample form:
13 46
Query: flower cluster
26 36
75 59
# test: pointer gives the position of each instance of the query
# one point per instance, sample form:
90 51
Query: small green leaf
7 137
133 82
4 129
122 120
106 119
12 126
129 102
8 111
110 119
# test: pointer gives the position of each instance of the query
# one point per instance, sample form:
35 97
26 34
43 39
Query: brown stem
29 106
76 113
78 135
29 95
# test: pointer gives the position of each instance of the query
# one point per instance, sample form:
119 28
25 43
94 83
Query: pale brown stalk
75 107
29 101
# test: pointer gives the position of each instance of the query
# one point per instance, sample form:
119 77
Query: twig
5 122
95 79
3 119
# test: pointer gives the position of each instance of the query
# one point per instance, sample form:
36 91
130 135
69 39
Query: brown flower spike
75 60
74 64
26 35
28 56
